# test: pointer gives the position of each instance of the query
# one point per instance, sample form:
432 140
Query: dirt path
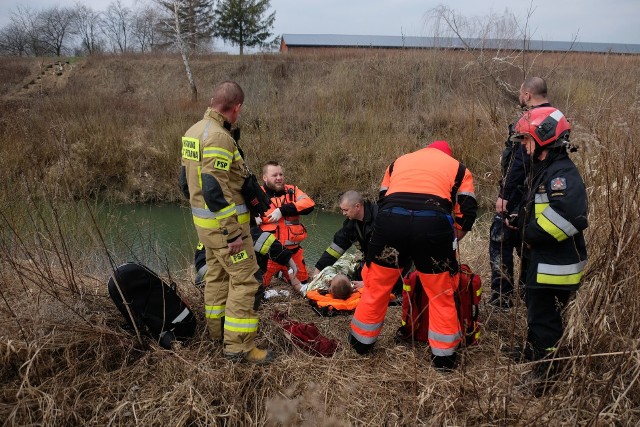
51 76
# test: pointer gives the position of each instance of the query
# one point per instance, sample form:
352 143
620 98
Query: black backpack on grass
156 308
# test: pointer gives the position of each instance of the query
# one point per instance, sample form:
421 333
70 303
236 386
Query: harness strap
457 183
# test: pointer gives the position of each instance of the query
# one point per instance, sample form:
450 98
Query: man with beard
282 219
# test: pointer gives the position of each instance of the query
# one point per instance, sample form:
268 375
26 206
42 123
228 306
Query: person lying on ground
341 270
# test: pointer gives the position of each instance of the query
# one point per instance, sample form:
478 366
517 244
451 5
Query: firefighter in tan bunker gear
211 178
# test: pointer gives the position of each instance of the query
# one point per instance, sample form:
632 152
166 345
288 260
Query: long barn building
304 42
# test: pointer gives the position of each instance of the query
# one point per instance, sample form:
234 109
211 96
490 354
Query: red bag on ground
415 307
306 336
467 303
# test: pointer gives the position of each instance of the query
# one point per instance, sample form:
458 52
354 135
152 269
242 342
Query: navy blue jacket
516 165
553 217
352 231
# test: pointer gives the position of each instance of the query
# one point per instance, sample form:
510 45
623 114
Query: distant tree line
186 26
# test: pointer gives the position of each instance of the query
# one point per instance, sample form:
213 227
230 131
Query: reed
335 119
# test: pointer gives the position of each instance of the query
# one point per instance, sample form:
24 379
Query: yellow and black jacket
554 216
211 178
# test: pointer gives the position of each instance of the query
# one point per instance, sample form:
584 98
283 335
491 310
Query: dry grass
113 132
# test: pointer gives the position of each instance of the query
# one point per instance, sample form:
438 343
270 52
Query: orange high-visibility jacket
423 180
292 202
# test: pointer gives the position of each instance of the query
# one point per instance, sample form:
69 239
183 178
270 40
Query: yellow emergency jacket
211 178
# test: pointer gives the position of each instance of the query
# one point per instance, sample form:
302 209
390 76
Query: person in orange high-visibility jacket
415 222
211 178
288 202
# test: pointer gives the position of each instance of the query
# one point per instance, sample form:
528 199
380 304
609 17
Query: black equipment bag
254 196
156 307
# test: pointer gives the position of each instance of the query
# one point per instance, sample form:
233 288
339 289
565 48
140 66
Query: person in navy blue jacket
515 164
551 219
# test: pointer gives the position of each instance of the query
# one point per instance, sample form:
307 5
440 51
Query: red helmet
546 125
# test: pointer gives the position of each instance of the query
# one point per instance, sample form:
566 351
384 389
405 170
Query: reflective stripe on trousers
368 318
444 327
240 325
214 311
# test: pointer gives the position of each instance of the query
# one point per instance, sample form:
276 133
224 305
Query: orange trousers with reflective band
444 328
273 268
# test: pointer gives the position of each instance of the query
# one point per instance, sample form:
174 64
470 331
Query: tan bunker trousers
230 293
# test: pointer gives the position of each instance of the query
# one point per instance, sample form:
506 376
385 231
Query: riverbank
113 129
335 121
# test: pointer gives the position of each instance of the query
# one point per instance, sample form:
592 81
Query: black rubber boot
524 353
166 339
359 347
445 363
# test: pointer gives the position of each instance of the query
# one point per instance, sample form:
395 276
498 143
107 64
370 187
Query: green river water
163 236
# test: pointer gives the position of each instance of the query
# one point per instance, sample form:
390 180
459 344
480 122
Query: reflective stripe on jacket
555 216
212 176
292 202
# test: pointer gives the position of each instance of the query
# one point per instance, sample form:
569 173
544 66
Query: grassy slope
336 121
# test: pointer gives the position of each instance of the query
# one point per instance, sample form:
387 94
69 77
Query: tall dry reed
335 120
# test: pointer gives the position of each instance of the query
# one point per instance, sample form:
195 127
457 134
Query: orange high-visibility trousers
369 315
444 326
273 268
368 319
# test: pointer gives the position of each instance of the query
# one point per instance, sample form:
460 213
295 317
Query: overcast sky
606 21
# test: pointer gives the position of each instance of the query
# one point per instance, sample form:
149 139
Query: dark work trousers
502 242
544 317
427 240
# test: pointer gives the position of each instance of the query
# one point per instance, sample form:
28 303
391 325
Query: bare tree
144 28
25 20
14 40
116 26
87 26
174 26
496 39
196 18
55 26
